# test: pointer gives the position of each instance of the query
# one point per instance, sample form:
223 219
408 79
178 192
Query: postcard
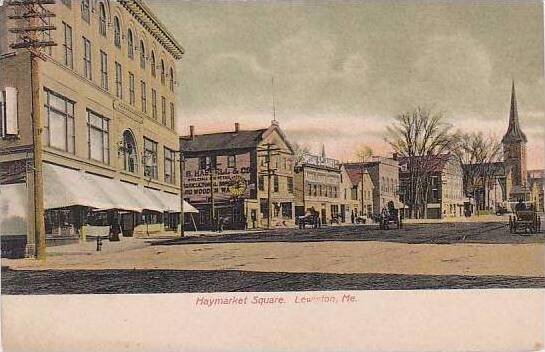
272 175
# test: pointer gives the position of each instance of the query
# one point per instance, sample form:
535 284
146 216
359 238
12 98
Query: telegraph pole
33 19
182 190
268 150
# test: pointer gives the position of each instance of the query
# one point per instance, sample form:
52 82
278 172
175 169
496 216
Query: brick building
384 174
228 175
109 125
356 192
444 193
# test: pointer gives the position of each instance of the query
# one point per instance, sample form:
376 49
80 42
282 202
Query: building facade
317 188
229 176
384 173
356 192
444 190
109 108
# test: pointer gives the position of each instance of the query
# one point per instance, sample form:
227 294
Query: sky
343 70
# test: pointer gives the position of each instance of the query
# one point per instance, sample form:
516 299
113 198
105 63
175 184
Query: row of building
269 174
111 153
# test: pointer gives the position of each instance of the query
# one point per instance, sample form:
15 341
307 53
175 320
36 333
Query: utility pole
268 150
212 205
362 180
182 191
33 19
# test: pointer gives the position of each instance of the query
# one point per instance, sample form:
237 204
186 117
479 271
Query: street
418 256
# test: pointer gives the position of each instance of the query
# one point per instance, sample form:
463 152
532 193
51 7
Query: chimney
192 132
237 127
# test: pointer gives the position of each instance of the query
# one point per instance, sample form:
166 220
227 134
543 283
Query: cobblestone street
418 256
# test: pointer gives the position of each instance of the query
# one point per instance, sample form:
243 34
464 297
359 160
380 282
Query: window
290 184
154 103
144 96
118 80
102 20
261 183
142 55
103 70
8 112
162 72
171 79
58 122
131 89
117 32
170 169
129 152
85 10
87 64
150 158
309 189
276 187
232 161
207 162
98 137
153 70
130 44
163 111
68 58
172 122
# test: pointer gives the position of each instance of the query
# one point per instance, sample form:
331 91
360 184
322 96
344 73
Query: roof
355 175
222 140
433 163
514 134
496 168
147 18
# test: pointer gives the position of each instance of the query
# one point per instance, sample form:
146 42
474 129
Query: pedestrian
115 230
220 224
352 217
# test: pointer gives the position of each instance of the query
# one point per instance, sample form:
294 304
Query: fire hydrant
99 243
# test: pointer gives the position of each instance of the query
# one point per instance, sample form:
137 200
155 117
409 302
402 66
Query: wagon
390 217
525 220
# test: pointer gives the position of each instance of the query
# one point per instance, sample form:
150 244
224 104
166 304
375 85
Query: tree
299 151
478 154
363 152
415 136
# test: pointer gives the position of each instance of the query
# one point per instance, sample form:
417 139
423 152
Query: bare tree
299 151
416 135
478 154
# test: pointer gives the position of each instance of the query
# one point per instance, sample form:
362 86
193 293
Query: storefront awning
65 187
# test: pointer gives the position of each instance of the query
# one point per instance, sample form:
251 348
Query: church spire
514 134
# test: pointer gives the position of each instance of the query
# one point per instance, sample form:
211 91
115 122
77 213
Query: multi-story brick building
228 175
384 173
109 107
444 191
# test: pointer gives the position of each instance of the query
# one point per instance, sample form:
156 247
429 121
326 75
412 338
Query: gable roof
222 140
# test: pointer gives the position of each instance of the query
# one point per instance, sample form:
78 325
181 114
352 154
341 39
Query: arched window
85 10
153 72
130 44
162 71
171 79
130 154
117 32
142 55
102 20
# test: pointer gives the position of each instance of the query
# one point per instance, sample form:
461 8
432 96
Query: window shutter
11 111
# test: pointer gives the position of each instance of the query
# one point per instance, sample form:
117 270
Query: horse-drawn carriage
390 216
524 220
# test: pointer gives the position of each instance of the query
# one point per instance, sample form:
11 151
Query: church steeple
514 134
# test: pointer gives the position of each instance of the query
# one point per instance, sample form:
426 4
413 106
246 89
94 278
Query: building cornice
145 16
